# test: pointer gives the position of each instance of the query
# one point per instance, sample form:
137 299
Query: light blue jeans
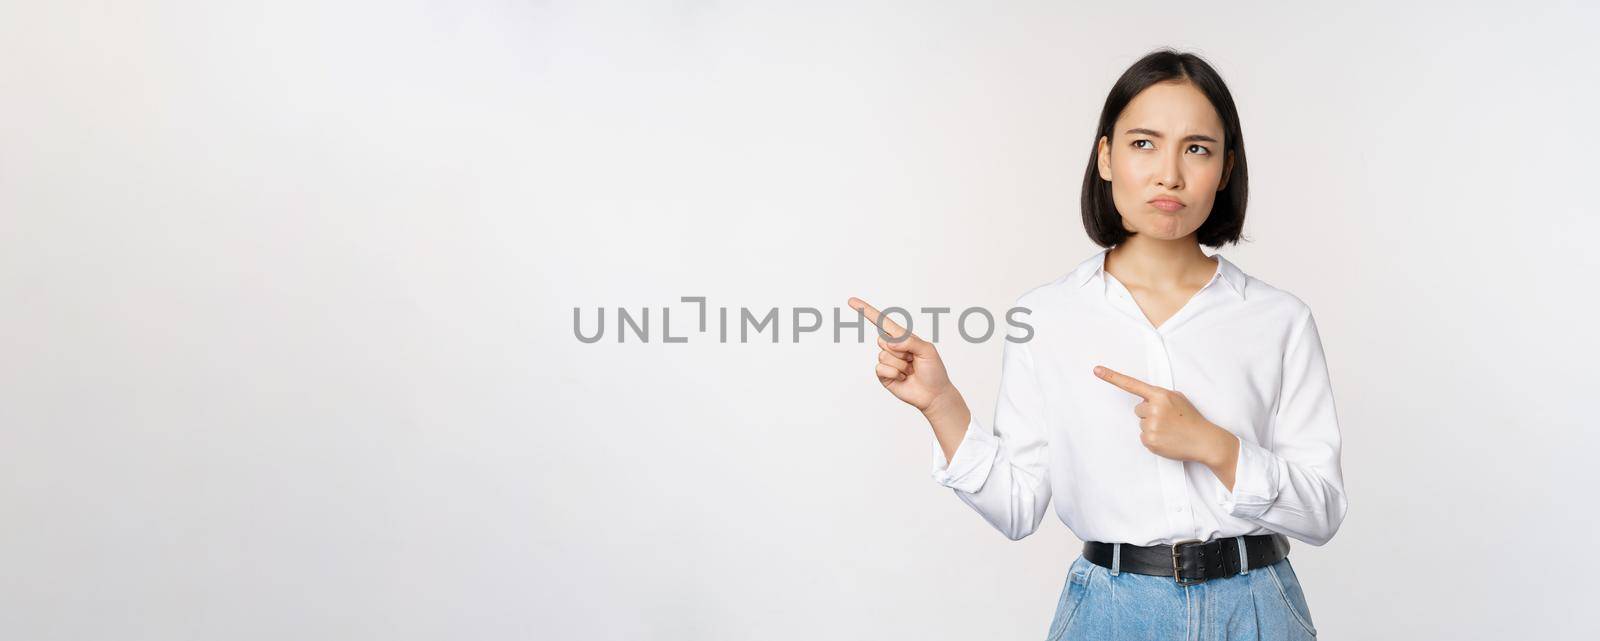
1110 605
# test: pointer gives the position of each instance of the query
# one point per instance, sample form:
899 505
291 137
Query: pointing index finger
1128 383
876 318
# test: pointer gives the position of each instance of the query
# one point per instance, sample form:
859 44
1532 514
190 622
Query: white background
286 294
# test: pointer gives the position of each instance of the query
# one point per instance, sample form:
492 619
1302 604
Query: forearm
1303 499
1224 457
949 417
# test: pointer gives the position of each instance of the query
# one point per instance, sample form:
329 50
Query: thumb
912 344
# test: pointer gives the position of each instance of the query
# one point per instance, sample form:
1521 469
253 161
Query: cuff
1255 482
974 457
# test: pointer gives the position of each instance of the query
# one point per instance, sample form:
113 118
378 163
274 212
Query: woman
1177 409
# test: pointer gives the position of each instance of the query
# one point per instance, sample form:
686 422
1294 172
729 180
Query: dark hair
1226 222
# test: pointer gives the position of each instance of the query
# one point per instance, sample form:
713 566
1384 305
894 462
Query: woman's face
1165 160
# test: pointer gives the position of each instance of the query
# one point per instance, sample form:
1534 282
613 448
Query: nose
1170 174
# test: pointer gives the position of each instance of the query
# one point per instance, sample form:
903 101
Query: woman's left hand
1169 424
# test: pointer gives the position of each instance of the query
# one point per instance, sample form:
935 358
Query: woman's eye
1203 150
1136 143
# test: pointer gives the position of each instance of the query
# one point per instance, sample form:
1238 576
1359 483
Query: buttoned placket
1158 363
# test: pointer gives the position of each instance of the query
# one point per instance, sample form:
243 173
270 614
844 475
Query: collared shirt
1246 354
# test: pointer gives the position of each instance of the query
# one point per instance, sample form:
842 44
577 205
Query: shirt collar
1093 269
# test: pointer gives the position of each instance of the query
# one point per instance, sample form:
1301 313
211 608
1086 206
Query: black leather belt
1192 562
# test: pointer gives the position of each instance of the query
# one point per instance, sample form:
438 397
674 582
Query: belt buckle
1177 573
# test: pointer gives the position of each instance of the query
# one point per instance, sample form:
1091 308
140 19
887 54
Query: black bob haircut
1226 222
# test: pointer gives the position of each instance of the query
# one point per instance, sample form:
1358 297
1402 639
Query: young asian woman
1177 410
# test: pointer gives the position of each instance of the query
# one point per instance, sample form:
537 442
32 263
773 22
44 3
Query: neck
1158 263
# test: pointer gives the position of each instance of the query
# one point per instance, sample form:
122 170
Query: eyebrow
1156 134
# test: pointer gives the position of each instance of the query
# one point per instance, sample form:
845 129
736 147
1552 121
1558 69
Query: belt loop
1116 559
1244 556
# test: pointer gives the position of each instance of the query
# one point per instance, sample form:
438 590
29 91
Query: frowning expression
1165 160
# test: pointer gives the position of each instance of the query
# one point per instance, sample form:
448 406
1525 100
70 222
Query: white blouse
1245 353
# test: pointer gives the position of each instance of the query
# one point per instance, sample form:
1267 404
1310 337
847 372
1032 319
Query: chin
1172 231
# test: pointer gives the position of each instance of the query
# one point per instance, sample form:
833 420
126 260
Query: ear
1103 157
1227 171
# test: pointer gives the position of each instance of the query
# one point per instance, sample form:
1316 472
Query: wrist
945 407
1223 449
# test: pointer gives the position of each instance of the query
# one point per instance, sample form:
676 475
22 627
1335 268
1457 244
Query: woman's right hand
910 368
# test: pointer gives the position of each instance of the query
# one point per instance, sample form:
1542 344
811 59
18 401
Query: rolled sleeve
974 457
1255 483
